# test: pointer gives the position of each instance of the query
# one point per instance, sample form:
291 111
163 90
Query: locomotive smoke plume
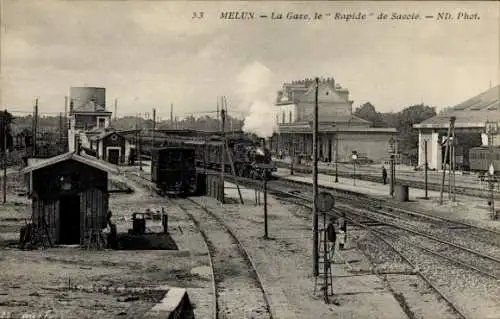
255 91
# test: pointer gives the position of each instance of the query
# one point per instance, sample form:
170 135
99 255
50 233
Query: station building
340 131
471 117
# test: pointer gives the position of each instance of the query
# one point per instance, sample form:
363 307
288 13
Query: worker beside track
384 175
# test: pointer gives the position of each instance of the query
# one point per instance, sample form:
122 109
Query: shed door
69 210
113 156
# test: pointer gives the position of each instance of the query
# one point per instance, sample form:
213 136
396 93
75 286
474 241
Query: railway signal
325 203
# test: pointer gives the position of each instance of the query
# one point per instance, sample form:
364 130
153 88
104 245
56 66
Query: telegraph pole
35 127
5 156
452 122
116 108
315 182
172 116
454 164
153 133
60 130
223 153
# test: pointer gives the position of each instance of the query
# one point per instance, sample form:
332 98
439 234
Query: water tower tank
81 96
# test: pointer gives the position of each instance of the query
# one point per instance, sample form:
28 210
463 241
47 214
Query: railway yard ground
371 282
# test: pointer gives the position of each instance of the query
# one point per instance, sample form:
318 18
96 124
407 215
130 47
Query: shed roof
84 159
471 113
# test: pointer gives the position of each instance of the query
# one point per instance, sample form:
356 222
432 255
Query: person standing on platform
342 226
384 175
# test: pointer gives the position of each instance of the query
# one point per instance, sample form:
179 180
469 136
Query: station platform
466 209
403 172
283 262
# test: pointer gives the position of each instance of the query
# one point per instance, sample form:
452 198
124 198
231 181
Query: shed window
101 122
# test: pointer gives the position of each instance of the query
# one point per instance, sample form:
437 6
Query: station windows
283 117
290 117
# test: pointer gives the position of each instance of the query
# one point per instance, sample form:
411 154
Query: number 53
198 15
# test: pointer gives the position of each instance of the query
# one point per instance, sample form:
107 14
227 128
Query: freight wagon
173 170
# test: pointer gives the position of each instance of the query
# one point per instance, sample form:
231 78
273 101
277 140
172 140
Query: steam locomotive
249 156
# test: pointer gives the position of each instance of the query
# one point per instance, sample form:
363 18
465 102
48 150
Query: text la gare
289 16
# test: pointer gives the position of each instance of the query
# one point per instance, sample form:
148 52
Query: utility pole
218 118
4 120
172 116
426 169
454 163
265 208
223 153
35 127
450 127
60 131
66 114
116 108
315 183
153 133
138 135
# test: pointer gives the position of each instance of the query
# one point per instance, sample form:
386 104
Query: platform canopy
472 113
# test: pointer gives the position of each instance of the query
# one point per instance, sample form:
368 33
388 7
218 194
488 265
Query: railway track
403 238
474 256
238 291
469 191
453 308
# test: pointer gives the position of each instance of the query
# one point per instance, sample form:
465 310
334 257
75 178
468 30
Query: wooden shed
111 146
69 195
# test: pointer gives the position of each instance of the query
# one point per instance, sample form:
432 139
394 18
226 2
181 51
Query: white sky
151 54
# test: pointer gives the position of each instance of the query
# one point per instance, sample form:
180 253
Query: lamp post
336 158
391 152
354 158
293 154
426 169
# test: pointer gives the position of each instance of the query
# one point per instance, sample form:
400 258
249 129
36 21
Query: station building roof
472 113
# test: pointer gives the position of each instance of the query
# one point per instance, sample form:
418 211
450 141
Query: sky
151 54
